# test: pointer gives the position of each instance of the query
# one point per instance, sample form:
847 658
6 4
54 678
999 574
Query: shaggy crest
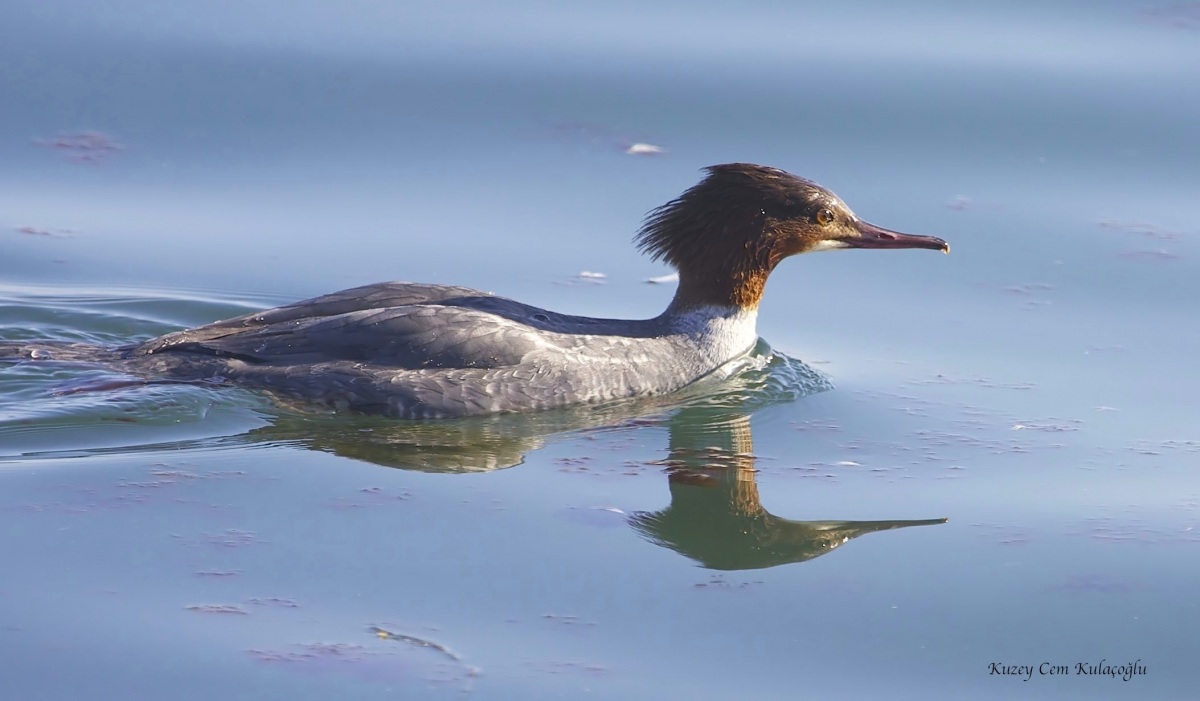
726 211
728 232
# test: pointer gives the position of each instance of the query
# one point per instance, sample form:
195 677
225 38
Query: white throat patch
720 333
828 245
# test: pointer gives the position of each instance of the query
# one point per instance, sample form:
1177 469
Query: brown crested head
728 232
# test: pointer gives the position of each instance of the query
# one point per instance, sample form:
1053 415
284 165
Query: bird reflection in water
715 516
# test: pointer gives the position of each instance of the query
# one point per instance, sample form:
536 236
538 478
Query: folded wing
393 325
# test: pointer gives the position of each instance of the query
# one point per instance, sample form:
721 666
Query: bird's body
418 351
430 351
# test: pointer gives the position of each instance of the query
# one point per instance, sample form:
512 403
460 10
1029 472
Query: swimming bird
422 351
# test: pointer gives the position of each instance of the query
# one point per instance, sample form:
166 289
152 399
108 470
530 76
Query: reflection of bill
715 516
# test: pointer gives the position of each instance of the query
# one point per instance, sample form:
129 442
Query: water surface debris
413 640
643 149
47 233
219 608
83 146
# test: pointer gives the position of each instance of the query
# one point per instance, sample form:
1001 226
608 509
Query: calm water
1012 430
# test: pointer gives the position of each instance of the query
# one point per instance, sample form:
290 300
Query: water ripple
41 415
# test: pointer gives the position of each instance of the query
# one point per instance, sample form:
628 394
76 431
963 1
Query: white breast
720 334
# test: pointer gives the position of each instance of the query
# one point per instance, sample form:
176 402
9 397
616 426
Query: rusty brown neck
728 281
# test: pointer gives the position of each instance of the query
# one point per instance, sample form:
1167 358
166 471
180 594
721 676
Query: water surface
953 461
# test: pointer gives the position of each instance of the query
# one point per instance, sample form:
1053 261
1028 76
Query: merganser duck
419 351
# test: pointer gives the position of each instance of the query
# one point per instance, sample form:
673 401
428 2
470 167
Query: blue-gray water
166 164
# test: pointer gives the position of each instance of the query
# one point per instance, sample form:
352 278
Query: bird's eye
824 217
